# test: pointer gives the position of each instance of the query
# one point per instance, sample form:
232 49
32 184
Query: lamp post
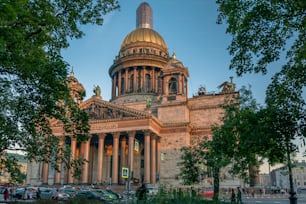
292 197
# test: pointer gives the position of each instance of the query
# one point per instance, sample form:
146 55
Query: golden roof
144 35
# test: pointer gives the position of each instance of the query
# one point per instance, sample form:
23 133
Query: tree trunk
292 193
216 174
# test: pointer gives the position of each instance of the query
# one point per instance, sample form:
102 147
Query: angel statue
148 101
97 90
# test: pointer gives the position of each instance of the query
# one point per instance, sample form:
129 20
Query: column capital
102 135
147 132
153 136
131 133
116 134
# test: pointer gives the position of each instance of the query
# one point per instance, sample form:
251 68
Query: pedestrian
56 196
6 194
141 193
14 192
38 194
193 193
10 194
233 196
25 194
239 195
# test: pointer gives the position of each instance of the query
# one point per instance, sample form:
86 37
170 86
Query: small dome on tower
77 90
174 62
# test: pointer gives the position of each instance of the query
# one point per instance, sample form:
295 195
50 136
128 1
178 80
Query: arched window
122 85
185 86
172 86
147 83
132 83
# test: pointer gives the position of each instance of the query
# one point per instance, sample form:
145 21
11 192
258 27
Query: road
245 200
271 200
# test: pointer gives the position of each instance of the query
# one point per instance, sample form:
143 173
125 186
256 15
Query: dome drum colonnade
119 158
148 80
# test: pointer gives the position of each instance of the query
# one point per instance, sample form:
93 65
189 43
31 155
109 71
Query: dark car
118 195
107 197
2 188
91 195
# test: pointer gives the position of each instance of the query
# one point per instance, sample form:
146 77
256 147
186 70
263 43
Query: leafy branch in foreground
34 90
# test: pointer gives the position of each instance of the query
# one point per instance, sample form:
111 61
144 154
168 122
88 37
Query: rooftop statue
97 90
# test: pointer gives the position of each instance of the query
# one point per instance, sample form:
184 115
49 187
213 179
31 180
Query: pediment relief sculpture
104 112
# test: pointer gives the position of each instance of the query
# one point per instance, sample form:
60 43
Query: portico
114 143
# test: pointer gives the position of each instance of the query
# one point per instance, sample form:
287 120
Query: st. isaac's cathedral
147 121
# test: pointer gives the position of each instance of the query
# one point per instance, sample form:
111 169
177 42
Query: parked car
58 195
152 189
2 188
206 194
107 197
46 193
69 190
30 192
91 195
118 195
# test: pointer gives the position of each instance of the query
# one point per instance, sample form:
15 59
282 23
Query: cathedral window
185 86
132 83
122 85
159 84
147 83
138 81
172 86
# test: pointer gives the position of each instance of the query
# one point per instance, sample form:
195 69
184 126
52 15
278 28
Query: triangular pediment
98 109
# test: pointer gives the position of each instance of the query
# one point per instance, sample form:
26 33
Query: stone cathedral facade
147 121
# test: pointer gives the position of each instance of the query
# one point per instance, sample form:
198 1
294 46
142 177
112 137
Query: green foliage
262 30
10 165
287 111
33 75
189 165
176 196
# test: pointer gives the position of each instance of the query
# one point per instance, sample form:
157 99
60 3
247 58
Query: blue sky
189 30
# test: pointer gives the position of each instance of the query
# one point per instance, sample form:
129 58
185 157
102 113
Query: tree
189 165
235 143
215 156
33 75
288 121
262 32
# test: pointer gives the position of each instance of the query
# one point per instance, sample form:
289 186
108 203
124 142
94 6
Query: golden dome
144 35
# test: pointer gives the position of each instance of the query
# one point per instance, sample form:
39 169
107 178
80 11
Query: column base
70 184
84 184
